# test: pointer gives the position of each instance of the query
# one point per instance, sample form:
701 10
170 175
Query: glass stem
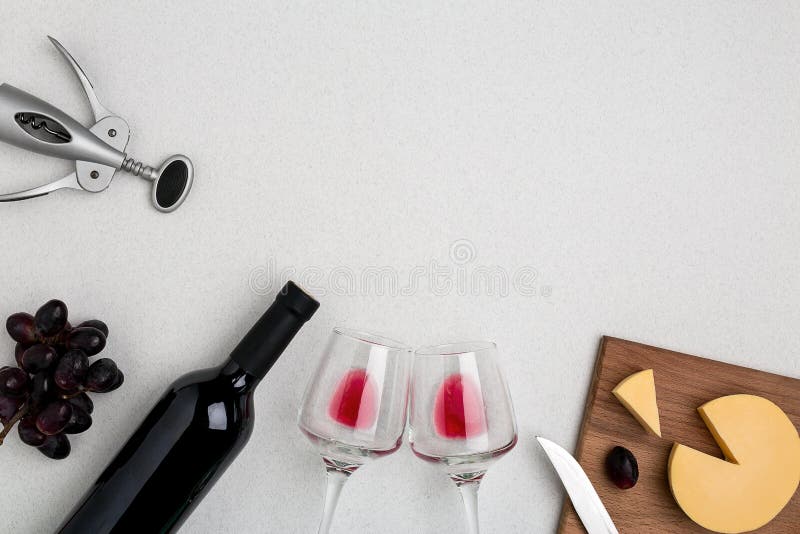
469 494
336 480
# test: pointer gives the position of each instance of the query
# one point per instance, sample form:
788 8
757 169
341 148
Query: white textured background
642 156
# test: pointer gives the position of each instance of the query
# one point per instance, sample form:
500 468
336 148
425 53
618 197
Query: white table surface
642 157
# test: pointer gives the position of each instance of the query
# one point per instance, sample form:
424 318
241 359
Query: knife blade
581 492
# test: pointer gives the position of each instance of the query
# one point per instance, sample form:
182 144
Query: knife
583 496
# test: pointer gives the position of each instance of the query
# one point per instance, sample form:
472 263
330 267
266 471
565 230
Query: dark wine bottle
191 436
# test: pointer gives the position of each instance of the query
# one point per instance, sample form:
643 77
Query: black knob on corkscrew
171 182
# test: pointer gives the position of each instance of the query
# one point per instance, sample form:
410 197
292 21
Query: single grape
8 407
102 376
56 447
622 467
79 422
118 382
14 382
51 318
54 418
19 350
71 370
42 390
28 432
96 323
88 339
39 358
83 402
21 328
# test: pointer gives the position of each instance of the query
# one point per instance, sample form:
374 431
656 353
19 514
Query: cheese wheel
757 478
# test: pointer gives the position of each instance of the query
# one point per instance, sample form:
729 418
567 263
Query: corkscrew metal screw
98 151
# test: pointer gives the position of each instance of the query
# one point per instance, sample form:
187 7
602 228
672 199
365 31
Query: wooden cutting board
683 383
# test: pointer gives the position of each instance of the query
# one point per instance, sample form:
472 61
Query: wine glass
354 408
461 416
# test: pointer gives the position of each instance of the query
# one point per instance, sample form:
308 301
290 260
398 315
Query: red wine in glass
458 411
355 401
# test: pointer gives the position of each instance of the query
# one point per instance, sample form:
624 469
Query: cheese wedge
759 475
638 394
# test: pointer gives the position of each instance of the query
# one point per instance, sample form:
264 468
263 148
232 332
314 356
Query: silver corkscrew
98 151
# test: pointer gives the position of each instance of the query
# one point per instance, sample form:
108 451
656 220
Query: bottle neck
263 345
237 378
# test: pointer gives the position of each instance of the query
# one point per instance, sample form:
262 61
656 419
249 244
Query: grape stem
13 421
23 410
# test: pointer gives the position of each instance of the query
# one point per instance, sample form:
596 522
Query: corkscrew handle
32 124
171 182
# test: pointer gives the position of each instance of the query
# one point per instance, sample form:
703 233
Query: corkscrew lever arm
99 110
68 182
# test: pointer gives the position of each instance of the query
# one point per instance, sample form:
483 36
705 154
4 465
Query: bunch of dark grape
46 394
